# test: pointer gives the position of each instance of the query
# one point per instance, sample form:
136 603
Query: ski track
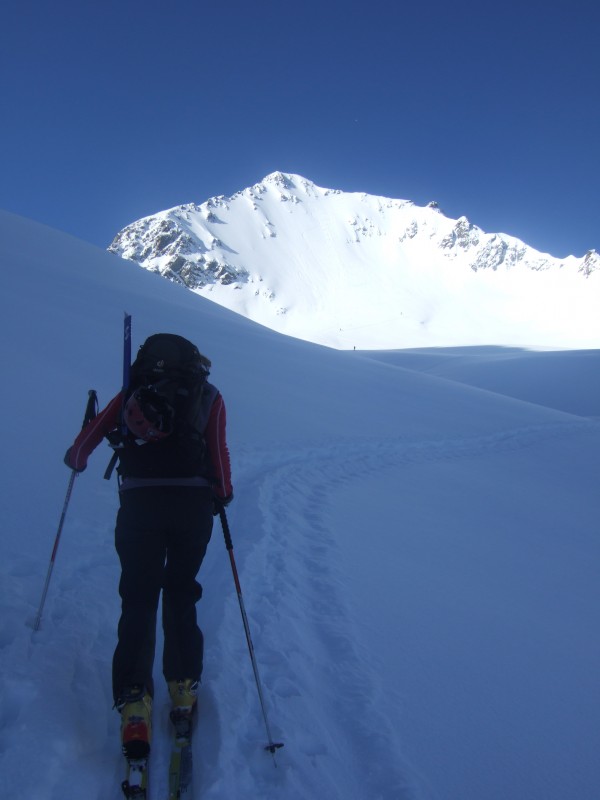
291 565
288 560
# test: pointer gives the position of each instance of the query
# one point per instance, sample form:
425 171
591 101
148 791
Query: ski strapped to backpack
167 396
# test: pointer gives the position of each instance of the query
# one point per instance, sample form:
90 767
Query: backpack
175 372
174 369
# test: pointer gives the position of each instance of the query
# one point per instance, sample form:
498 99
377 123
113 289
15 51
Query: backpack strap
111 465
201 405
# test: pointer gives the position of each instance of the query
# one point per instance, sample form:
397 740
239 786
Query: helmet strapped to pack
148 415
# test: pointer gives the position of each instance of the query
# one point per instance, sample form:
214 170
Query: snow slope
418 555
353 270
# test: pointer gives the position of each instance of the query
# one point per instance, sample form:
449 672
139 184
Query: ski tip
274 746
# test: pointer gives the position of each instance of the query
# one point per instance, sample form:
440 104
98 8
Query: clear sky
117 109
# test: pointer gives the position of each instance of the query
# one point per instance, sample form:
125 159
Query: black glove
67 460
220 503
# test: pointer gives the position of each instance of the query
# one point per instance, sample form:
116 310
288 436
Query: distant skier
168 430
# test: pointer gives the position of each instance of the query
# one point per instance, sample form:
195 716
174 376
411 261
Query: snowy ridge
356 270
415 532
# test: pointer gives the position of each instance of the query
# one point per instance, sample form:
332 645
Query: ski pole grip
225 524
91 409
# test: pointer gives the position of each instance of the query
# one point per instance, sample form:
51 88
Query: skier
169 488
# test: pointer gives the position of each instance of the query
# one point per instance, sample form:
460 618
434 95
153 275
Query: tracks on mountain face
307 641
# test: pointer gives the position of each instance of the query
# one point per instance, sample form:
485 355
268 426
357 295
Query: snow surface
416 534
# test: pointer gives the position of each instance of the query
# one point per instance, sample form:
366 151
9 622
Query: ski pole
91 410
272 747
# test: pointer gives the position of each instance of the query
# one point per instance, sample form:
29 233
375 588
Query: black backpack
175 369
167 355
175 372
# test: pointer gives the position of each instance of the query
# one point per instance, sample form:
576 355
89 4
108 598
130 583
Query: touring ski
126 373
180 765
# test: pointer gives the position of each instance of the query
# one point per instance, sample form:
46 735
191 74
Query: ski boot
135 707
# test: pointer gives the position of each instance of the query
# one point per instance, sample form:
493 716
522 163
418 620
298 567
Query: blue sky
115 110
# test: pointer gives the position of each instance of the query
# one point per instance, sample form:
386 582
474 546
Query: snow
350 270
416 533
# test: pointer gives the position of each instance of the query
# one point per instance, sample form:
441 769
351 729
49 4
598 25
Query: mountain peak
352 269
281 179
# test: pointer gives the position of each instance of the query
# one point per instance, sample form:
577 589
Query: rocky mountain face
189 243
288 245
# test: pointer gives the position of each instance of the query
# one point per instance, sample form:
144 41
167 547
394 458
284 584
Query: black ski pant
161 537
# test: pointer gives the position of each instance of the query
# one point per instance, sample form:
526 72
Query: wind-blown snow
355 270
416 534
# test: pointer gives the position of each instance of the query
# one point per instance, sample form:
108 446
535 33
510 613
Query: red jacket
110 418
